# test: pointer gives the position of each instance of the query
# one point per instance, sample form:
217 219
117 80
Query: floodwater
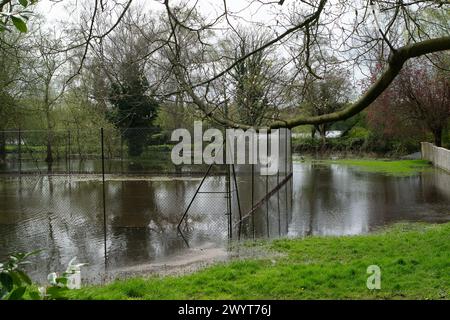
66 216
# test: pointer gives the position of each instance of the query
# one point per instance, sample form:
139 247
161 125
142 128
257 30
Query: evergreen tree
134 110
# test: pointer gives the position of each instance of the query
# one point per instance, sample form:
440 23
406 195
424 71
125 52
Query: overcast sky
247 10
255 12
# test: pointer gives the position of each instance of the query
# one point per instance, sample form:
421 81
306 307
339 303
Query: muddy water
340 200
65 216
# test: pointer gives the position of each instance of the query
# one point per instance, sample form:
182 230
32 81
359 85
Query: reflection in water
64 215
340 200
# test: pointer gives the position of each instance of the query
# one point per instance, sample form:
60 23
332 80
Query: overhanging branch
396 62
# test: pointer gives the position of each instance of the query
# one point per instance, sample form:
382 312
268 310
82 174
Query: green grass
414 261
389 167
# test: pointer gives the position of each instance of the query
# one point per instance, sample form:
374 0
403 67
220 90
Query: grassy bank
414 261
389 167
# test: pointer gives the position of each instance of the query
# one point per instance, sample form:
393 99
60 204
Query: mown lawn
414 261
389 167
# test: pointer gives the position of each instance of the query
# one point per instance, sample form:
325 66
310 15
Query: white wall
440 157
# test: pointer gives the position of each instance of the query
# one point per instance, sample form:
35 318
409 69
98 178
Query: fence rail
440 157
131 151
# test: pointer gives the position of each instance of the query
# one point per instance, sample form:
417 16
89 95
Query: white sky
249 11
255 12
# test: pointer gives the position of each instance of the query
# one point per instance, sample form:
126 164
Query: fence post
228 198
20 150
253 198
287 172
291 170
228 188
68 151
237 199
121 153
278 182
104 192
267 183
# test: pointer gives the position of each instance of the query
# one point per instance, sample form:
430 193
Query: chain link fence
114 198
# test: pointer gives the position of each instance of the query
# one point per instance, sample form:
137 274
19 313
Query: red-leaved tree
417 101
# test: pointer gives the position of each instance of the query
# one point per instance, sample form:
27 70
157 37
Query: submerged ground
325 255
64 214
414 261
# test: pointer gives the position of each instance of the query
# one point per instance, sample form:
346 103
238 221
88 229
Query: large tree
326 95
417 101
399 27
134 110
253 79
427 101
46 82
303 28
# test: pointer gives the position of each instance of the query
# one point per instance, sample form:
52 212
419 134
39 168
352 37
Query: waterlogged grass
414 261
389 167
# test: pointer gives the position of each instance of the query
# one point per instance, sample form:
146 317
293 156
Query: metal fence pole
253 198
238 201
228 197
228 189
20 150
267 182
68 151
121 153
286 169
278 182
291 168
104 192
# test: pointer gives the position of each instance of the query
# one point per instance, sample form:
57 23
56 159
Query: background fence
115 202
129 151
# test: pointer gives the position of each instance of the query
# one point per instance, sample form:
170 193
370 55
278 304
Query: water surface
65 215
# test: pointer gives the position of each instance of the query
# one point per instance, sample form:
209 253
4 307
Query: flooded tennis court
64 214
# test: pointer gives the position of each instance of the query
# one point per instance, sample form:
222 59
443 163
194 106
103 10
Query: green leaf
56 292
32 253
17 294
24 277
24 3
16 278
19 24
61 280
6 281
3 293
34 295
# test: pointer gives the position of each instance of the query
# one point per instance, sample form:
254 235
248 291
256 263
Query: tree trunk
2 147
437 133
49 158
323 135
313 132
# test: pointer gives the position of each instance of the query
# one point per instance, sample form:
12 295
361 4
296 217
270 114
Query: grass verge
389 167
414 261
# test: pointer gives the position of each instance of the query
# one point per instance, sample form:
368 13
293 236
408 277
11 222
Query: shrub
14 281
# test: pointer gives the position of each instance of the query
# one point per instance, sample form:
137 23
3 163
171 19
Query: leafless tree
305 29
46 80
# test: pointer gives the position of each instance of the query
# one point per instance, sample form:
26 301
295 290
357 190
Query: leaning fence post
104 192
